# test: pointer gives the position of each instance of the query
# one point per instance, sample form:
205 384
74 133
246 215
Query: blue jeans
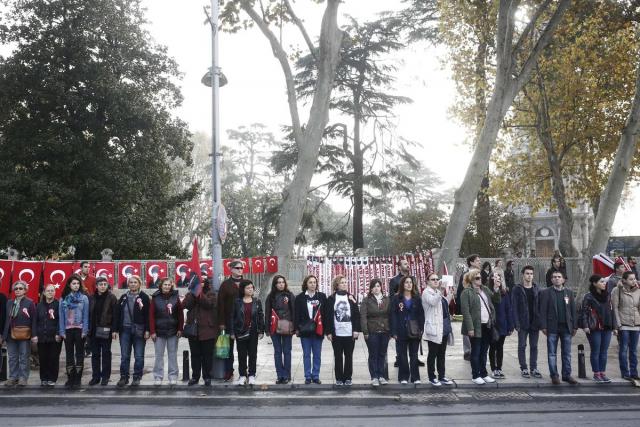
128 341
599 343
19 353
282 355
533 348
565 348
100 358
377 343
311 345
628 353
479 349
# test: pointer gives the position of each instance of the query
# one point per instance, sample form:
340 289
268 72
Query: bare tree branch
303 30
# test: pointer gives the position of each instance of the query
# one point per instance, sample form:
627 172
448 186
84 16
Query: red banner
272 264
107 270
206 266
77 267
127 269
57 273
257 265
183 268
5 276
155 271
29 272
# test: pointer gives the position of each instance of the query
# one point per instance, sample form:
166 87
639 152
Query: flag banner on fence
183 268
5 276
77 267
127 269
206 267
29 272
272 264
107 269
56 274
246 265
257 265
226 270
155 271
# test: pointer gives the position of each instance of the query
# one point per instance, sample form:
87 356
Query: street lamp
215 79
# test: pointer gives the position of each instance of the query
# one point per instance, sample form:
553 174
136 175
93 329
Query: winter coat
21 319
400 315
470 306
108 317
227 295
374 318
504 315
47 315
596 313
140 314
257 318
282 302
301 311
548 312
433 315
626 306
203 310
520 308
166 315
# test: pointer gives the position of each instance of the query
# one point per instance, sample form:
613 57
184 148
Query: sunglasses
435 279
20 288
236 268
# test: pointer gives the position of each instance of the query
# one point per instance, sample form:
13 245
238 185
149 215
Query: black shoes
104 381
94 381
123 382
207 383
135 382
193 381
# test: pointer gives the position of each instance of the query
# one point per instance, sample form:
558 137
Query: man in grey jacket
558 321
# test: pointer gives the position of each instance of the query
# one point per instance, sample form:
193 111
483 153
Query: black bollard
582 371
3 365
185 365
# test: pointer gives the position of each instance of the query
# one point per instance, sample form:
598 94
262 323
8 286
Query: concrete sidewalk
457 368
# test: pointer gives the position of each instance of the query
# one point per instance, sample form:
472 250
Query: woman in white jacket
437 327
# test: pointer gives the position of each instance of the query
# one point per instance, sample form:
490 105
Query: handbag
190 330
20 333
103 332
308 328
284 327
413 331
138 330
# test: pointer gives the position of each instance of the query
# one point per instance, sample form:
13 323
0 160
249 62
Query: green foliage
506 232
87 132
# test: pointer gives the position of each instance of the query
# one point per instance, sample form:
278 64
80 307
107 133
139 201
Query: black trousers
49 356
201 358
343 357
436 358
247 348
496 352
74 347
101 358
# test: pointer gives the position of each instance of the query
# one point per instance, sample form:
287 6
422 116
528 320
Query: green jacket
470 307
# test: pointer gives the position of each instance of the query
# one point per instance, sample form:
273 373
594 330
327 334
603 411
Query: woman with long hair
374 319
598 323
166 321
74 327
49 342
279 315
504 323
342 327
247 327
406 318
308 325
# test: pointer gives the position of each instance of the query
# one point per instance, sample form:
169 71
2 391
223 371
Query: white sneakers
417 382
241 380
404 382
489 380
157 382
375 382
173 382
252 380
383 381
446 381
435 383
478 381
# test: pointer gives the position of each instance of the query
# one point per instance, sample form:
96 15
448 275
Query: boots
71 376
78 379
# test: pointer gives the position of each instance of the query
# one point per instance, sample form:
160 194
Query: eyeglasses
20 288
477 278
236 268
435 279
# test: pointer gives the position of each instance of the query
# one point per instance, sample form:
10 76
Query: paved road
617 407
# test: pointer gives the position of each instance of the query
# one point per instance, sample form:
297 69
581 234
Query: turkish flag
183 268
272 264
77 267
107 270
318 320
206 266
56 274
257 265
5 276
195 258
246 264
225 266
155 270
127 269
29 272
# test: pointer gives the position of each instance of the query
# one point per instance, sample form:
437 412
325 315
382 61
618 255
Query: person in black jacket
133 328
406 322
557 264
308 325
525 302
558 321
597 323
103 321
279 315
342 327
247 327
49 342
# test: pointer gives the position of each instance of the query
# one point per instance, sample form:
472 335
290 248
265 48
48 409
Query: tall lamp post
215 79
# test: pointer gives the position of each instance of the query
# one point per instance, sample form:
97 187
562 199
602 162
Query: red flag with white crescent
225 266
6 266
272 264
182 272
206 266
107 269
257 265
56 274
318 320
154 271
77 267
274 322
29 272
127 269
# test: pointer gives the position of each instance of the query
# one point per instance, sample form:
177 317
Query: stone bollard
582 371
185 365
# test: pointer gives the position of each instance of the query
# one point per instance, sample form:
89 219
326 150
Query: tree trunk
509 81
308 140
610 199
358 172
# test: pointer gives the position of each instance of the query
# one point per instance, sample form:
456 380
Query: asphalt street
619 406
